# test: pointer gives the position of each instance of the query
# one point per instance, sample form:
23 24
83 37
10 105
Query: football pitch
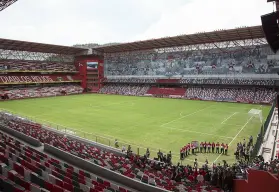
157 123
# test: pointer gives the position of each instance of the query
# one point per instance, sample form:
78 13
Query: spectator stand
267 149
232 94
47 172
232 171
47 90
36 64
145 174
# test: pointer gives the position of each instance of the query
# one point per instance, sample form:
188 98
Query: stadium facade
233 65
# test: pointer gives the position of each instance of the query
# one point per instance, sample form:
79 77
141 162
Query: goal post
256 114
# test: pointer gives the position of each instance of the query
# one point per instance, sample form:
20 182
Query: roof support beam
216 37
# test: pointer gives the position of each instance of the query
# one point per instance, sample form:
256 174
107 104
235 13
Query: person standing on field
226 149
116 143
123 148
222 148
193 148
147 153
208 147
251 140
217 147
201 146
182 153
188 148
213 147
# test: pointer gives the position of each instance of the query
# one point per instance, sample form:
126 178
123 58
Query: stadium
195 112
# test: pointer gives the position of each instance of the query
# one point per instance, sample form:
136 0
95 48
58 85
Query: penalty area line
181 117
235 136
190 131
229 117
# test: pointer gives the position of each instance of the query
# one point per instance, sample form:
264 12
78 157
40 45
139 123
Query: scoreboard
92 65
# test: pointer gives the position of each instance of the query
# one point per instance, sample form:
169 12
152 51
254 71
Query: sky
69 22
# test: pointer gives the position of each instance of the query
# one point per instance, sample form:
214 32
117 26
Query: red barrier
166 91
81 65
258 181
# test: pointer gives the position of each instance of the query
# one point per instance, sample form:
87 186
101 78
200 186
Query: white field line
109 137
185 116
232 124
42 121
190 131
181 114
98 107
235 136
229 117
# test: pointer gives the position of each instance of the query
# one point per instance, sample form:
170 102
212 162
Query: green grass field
166 124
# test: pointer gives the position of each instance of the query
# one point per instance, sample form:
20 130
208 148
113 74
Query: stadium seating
124 89
226 94
186 81
228 81
264 96
245 95
22 65
134 168
167 81
166 91
251 60
129 80
259 95
26 169
208 94
30 92
193 92
200 81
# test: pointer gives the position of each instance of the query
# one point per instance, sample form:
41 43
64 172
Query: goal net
256 115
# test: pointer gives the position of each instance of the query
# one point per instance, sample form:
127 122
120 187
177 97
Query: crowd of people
247 95
199 81
130 80
133 166
33 92
271 166
161 170
135 90
262 95
24 65
203 147
251 60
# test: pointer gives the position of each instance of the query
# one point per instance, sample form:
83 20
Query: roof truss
214 37
6 3
16 45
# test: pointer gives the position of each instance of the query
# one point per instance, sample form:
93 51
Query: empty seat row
23 168
132 167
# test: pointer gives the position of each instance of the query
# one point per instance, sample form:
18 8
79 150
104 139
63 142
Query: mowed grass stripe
138 120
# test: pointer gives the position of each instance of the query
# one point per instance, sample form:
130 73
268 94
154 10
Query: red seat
57 189
48 186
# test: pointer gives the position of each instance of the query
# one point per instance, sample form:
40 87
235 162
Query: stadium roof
16 45
6 3
254 32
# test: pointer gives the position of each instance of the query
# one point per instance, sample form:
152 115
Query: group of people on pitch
203 147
